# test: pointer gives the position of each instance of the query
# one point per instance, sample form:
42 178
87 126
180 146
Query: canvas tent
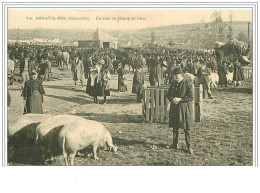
98 39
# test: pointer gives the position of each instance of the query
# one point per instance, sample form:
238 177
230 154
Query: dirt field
225 137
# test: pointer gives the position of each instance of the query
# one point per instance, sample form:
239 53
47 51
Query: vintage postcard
170 85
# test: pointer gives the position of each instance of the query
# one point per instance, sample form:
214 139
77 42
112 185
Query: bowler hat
177 70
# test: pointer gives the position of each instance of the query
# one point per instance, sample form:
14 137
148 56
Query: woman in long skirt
238 76
222 73
33 95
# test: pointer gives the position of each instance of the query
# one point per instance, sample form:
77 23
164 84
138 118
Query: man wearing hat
180 95
138 83
204 79
24 68
121 78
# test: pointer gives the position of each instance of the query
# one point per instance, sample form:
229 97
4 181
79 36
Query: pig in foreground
47 133
81 134
22 131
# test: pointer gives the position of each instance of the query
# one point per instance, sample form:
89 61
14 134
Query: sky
120 19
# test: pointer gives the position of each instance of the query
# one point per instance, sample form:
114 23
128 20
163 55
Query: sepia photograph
169 86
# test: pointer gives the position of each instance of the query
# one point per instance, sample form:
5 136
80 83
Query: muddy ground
224 137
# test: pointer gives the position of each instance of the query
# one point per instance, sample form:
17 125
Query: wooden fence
248 72
155 106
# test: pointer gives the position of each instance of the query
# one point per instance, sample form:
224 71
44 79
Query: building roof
99 36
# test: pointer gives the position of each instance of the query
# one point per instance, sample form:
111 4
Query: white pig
81 134
47 133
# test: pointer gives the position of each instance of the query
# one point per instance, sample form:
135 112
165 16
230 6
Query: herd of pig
66 134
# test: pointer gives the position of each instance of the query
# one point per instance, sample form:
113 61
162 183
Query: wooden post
157 109
162 106
198 102
166 118
147 104
193 109
143 105
152 105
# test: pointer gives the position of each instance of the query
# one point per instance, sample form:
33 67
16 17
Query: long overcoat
203 76
238 72
181 114
33 94
78 70
138 82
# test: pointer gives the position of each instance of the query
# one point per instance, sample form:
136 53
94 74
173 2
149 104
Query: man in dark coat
121 79
203 74
24 69
180 95
138 83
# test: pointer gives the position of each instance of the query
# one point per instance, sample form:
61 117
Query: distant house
40 40
20 41
98 40
54 41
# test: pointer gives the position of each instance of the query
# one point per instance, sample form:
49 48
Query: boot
187 140
209 95
203 93
174 144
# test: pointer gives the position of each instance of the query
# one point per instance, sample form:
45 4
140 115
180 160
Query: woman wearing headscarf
33 95
78 70
222 73
238 76
92 84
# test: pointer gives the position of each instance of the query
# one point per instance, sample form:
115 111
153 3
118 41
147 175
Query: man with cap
180 95
138 83
204 79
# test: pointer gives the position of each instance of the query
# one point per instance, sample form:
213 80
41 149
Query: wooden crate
155 104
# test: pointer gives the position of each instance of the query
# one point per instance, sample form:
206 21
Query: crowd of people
165 66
